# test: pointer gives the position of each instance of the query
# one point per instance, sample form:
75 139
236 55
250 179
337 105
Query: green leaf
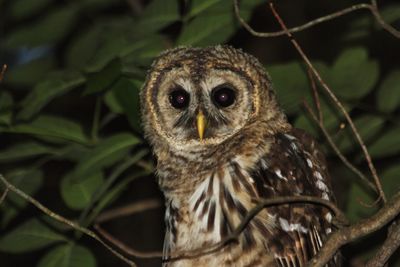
112 103
105 54
390 180
142 52
28 236
47 90
20 9
29 73
107 152
24 150
390 13
126 94
112 194
157 15
58 128
78 193
6 104
356 207
83 47
332 118
215 24
69 255
44 31
388 144
367 125
198 6
353 75
290 91
28 181
388 97
100 81
203 29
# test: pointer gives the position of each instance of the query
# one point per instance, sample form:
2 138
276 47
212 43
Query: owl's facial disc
202 110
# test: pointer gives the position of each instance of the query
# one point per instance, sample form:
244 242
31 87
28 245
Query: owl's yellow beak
201 124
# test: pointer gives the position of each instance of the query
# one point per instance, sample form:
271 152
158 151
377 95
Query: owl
222 141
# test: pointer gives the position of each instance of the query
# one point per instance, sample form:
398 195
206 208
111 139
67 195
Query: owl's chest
211 212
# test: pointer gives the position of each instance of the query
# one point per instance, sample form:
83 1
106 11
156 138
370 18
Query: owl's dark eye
179 98
223 96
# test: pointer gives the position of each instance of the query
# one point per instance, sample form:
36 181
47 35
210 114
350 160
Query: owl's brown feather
253 152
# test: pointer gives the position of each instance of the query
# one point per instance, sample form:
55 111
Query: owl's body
222 142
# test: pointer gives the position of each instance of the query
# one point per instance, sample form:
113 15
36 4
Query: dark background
352 52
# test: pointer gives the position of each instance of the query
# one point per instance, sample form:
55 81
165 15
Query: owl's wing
295 166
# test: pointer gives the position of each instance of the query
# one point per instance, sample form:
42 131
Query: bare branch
128 210
64 220
125 248
375 11
301 27
337 150
391 244
316 96
364 227
371 7
337 102
232 237
261 204
4 195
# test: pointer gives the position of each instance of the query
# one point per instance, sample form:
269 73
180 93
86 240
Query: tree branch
371 7
63 220
364 227
391 244
340 106
128 210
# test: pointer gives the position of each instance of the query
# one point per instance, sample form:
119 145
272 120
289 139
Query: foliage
75 71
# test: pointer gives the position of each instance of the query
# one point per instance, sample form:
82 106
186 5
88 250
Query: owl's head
199 97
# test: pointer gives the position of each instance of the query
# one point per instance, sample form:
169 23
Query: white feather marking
318 237
325 196
293 145
328 217
291 137
328 230
264 165
289 227
309 162
279 174
322 186
318 175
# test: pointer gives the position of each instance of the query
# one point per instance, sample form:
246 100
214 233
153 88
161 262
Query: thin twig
390 245
109 181
345 161
127 210
371 7
316 96
64 220
297 28
4 195
337 102
232 237
261 204
375 11
356 231
125 248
